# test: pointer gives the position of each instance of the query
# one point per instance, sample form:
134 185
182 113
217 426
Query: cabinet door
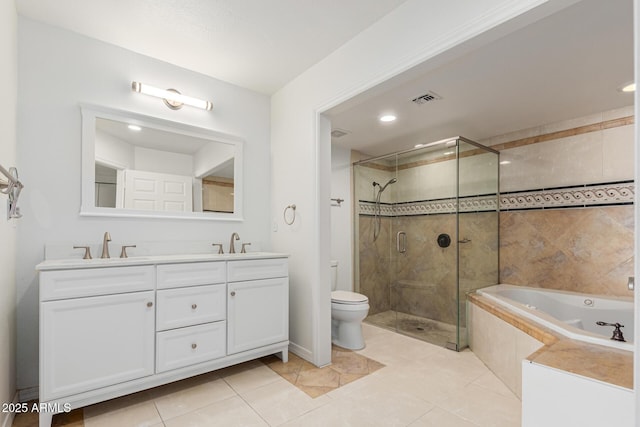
93 342
258 313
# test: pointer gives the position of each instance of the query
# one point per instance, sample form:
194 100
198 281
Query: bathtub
571 314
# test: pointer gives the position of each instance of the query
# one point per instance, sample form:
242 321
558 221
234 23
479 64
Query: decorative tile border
588 195
431 207
568 197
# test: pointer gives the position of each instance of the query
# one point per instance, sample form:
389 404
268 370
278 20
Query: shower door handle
401 242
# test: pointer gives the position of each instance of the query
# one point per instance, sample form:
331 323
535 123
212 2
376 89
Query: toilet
348 310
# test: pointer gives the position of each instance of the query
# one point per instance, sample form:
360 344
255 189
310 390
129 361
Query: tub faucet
232 249
105 245
617 333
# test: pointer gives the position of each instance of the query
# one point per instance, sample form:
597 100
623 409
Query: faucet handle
219 245
123 252
87 251
244 248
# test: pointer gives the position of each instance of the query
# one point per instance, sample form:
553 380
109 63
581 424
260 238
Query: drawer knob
194 306
194 345
233 293
149 304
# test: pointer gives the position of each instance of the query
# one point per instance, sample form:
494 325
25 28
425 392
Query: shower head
391 181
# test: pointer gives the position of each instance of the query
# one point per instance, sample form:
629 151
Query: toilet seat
350 298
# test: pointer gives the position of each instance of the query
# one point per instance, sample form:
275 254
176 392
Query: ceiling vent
338 133
427 97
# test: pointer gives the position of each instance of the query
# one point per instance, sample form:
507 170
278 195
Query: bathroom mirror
141 166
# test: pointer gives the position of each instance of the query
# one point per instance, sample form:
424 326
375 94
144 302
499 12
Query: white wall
397 42
150 160
8 83
58 70
342 216
113 151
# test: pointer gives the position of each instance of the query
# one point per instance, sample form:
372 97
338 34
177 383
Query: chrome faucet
105 245
232 249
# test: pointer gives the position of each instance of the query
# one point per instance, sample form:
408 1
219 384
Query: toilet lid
346 297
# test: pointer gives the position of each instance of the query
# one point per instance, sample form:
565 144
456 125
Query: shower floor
438 333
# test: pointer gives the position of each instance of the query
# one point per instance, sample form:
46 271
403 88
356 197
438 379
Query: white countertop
73 263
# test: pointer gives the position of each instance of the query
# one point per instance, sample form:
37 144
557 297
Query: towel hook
293 218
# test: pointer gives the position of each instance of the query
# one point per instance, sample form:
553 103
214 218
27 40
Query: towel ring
293 219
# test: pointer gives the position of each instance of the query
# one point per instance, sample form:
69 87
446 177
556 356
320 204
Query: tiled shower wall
426 273
567 216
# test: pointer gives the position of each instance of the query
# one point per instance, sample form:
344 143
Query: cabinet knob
233 293
149 304
194 345
194 306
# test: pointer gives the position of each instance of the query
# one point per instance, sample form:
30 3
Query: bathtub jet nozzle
617 333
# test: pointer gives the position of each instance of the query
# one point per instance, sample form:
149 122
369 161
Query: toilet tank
334 275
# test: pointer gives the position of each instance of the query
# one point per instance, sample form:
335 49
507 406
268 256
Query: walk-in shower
428 239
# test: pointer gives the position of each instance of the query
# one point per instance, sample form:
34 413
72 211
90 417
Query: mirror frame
87 208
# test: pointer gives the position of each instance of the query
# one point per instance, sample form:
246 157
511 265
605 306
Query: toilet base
347 335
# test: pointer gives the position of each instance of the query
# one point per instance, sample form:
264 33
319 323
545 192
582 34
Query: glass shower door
424 275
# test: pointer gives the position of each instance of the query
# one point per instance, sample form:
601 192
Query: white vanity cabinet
89 340
107 331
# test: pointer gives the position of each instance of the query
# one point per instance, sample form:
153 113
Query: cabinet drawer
190 306
190 274
253 269
187 346
61 284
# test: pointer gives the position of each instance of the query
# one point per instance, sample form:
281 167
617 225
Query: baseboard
301 352
6 418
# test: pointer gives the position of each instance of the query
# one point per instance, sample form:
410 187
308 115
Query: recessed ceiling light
628 87
419 145
134 128
505 162
387 118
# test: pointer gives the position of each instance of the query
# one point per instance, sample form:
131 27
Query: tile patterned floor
346 367
421 385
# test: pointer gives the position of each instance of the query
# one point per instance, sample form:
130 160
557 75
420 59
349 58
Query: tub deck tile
610 365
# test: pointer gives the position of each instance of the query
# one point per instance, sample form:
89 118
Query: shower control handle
401 242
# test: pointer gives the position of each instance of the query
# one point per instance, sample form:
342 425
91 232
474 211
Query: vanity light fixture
171 97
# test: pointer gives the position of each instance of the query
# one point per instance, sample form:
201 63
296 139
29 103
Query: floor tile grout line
194 410
459 416
254 409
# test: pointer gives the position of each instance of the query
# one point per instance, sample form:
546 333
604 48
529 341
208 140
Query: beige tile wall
580 249
422 280
584 249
